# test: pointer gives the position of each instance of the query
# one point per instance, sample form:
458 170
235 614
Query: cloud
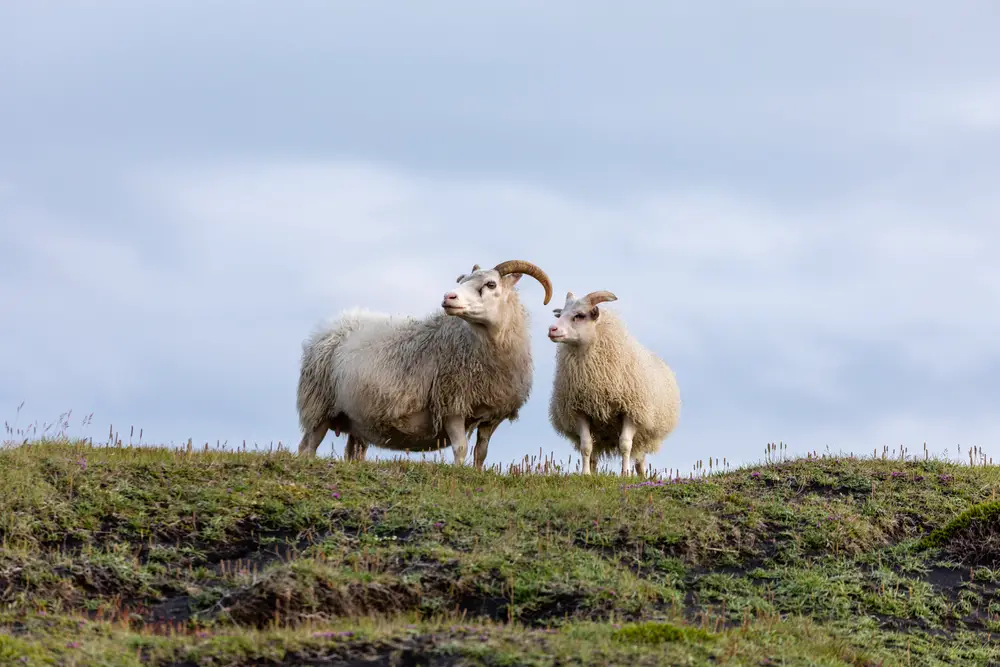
769 315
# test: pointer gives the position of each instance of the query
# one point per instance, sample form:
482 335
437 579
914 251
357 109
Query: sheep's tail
310 399
317 391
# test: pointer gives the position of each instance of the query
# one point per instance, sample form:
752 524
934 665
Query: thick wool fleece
612 377
373 372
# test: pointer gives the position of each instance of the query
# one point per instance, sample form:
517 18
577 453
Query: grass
119 555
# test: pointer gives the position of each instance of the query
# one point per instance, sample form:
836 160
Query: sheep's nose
450 296
553 329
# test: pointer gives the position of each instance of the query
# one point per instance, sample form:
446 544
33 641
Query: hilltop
116 555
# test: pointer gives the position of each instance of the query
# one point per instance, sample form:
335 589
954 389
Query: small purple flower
918 478
641 485
335 495
439 524
755 474
896 474
323 635
82 462
945 478
346 633
73 645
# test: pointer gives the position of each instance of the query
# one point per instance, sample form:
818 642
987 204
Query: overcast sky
795 202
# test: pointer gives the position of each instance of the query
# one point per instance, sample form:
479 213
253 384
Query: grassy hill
122 556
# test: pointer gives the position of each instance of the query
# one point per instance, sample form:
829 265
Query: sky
795 202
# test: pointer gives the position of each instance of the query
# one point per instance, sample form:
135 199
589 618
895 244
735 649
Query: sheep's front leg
311 440
625 444
483 434
586 445
455 428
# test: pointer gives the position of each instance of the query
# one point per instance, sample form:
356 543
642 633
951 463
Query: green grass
135 555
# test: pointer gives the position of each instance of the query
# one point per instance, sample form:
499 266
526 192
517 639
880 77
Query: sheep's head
482 294
576 321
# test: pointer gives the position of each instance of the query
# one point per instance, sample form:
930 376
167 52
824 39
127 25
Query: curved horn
599 296
521 266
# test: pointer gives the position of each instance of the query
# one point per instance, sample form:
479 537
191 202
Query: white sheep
609 392
410 384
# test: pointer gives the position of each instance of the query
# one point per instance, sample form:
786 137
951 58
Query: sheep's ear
595 313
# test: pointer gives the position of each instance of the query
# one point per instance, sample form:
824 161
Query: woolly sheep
422 384
609 392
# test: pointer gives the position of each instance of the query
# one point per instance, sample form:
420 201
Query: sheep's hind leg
483 434
625 444
586 446
355 449
640 465
312 438
454 426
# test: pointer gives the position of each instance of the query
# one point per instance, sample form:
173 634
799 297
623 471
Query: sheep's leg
311 440
483 435
455 428
640 465
625 444
586 445
355 449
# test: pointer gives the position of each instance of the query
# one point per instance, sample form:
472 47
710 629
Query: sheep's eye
491 284
579 316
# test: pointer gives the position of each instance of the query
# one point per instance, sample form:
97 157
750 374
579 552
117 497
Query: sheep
609 392
410 384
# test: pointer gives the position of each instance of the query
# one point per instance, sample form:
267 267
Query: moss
653 632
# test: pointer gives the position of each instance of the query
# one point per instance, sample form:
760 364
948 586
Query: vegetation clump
972 537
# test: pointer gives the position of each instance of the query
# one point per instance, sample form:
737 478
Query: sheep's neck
500 334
